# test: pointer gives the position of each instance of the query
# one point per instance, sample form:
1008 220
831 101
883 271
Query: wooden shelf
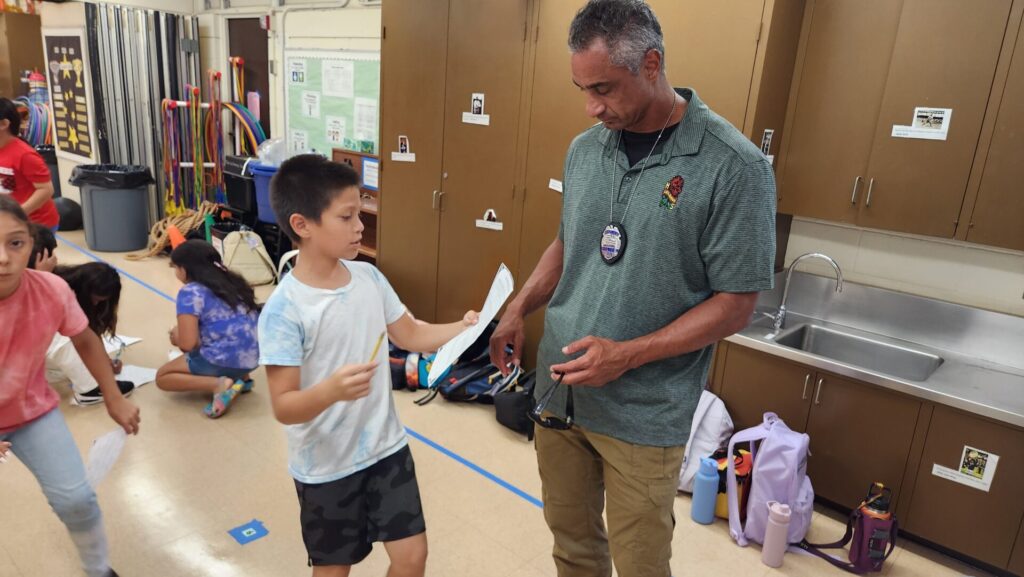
368 252
369 206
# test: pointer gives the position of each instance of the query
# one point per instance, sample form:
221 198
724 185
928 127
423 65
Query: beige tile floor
186 480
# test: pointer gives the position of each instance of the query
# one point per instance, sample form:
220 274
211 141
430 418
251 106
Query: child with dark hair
44 243
322 340
34 305
216 328
23 172
97 287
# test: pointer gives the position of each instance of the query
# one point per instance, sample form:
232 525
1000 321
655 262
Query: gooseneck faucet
780 316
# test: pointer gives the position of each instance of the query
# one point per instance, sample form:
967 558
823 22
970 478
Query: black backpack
513 405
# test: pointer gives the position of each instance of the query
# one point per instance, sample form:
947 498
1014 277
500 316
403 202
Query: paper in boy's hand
446 356
103 454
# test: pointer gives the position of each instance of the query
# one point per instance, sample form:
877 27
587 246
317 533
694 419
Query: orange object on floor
175 235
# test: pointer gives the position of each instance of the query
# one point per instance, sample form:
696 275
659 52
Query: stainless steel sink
898 361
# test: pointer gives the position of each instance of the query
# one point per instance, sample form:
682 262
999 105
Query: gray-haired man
667 236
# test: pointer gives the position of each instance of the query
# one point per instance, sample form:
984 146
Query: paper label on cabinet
481 223
555 185
927 124
977 469
481 119
403 156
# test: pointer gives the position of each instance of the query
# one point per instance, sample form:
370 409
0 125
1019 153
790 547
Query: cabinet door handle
433 201
807 381
853 196
440 201
817 392
871 185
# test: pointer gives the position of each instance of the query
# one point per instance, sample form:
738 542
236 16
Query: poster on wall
67 75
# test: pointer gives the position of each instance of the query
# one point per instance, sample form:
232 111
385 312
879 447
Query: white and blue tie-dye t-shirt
227 337
320 331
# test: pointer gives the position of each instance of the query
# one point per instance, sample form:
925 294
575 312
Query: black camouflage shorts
342 519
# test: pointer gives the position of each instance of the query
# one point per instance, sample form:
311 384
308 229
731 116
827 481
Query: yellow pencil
376 347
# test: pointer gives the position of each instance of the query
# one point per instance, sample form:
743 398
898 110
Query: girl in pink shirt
33 306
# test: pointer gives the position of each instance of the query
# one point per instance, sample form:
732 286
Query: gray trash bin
115 205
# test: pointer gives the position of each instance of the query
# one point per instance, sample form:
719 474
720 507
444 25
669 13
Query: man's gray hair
628 27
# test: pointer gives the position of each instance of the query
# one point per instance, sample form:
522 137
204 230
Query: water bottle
705 492
776 534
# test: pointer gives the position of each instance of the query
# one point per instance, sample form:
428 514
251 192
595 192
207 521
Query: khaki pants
580 470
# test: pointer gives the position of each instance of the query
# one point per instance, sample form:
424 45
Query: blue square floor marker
249 532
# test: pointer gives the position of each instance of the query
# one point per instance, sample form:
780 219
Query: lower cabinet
981 524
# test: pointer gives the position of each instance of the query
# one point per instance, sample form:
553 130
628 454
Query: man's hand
509 331
351 382
46 261
124 413
604 361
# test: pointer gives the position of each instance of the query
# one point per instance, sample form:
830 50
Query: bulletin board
67 75
332 100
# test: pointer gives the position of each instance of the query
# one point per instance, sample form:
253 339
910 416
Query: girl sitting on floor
216 329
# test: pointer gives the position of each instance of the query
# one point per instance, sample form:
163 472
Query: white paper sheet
501 288
365 119
339 78
311 104
371 173
103 454
927 124
138 375
112 345
335 130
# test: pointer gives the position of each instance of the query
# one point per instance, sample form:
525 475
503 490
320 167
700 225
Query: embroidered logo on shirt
670 194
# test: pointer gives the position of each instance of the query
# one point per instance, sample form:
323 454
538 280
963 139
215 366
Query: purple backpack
779 474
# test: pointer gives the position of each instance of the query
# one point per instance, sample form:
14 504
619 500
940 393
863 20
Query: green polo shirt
714 233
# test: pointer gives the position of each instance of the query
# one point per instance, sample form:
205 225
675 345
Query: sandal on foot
221 401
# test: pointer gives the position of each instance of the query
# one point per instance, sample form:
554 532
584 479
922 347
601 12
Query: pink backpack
779 474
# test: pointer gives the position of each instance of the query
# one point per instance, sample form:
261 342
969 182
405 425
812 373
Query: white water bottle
776 534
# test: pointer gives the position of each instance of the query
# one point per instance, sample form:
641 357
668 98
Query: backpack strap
817 551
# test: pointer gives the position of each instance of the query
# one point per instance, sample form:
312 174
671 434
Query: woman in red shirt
23 173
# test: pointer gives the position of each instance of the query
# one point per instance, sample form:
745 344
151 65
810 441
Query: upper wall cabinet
864 143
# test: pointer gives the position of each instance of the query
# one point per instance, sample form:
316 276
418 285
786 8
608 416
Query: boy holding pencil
320 339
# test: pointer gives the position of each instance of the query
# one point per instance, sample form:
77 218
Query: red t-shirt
20 168
42 305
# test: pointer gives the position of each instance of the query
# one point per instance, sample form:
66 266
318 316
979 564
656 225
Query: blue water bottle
705 492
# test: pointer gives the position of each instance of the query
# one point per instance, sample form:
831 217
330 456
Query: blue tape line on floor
125 274
477 468
444 451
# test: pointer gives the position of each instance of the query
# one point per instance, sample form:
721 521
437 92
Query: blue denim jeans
45 446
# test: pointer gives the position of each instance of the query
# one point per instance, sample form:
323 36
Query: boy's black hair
42 240
307 184
9 111
203 265
99 281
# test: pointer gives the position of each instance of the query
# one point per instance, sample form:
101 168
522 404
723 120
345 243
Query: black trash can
49 154
115 205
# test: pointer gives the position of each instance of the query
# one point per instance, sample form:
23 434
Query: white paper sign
403 157
555 185
371 173
311 104
103 454
366 119
297 72
338 78
481 119
927 124
335 130
489 225
446 356
977 469
137 375
299 140
113 343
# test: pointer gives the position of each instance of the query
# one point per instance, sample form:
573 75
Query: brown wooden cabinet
754 382
21 49
859 433
864 66
1016 565
983 525
435 57
997 216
